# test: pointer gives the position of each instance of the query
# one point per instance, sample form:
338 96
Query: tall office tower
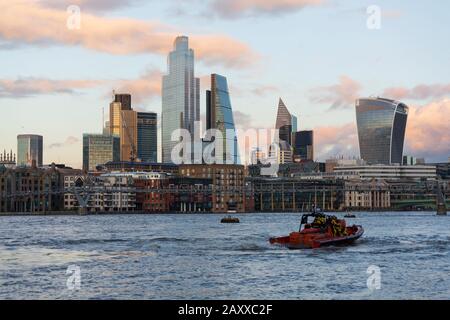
147 138
29 149
115 110
124 99
219 115
121 102
123 123
180 95
286 123
304 145
99 149
381 130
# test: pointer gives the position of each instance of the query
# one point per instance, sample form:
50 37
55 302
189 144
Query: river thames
194 256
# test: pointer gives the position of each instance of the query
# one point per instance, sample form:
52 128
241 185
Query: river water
195 257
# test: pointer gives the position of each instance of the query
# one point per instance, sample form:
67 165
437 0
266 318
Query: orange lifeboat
323 231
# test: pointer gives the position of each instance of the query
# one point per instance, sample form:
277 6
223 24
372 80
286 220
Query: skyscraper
381 129
29 149
99 149
219 115
286 123
304 145
147 139
123 123
180 95
124 99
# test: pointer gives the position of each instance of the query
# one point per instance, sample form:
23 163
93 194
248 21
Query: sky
58 69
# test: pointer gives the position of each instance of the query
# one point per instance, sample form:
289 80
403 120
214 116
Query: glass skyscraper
286 123
304 145
180 95
219 115
99 149
123 123
147 138
381 130
29 149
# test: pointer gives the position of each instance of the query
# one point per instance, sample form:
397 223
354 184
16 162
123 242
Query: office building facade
180 95
123 123
381 130
30 150
389 172
99 149
219 115
304 145
147 137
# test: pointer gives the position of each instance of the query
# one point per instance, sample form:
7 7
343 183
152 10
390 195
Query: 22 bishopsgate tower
381 130
180 95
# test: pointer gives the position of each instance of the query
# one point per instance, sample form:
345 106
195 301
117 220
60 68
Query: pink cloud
237 8
91 5
143 88
419 92
339 96
35 24
26 87
264 89
332 141
428 130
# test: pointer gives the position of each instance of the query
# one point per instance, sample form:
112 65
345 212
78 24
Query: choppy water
196 257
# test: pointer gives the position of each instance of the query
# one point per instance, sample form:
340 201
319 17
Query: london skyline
56 83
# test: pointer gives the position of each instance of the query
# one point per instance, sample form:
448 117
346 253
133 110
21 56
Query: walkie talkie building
381 130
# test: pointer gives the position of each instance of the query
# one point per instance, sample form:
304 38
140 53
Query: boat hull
312 239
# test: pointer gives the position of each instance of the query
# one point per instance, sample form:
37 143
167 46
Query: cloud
89 5
263 90
143 88
428 131
27 87
339 96
69 141
419 92
242 120
31 23
333 141
243 8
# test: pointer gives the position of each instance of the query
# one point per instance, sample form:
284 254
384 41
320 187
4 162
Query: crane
133 152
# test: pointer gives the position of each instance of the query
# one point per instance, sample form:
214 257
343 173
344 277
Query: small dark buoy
229 219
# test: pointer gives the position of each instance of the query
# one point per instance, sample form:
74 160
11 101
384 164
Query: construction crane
133 152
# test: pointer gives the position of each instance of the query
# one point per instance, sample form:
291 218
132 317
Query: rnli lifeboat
323 231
